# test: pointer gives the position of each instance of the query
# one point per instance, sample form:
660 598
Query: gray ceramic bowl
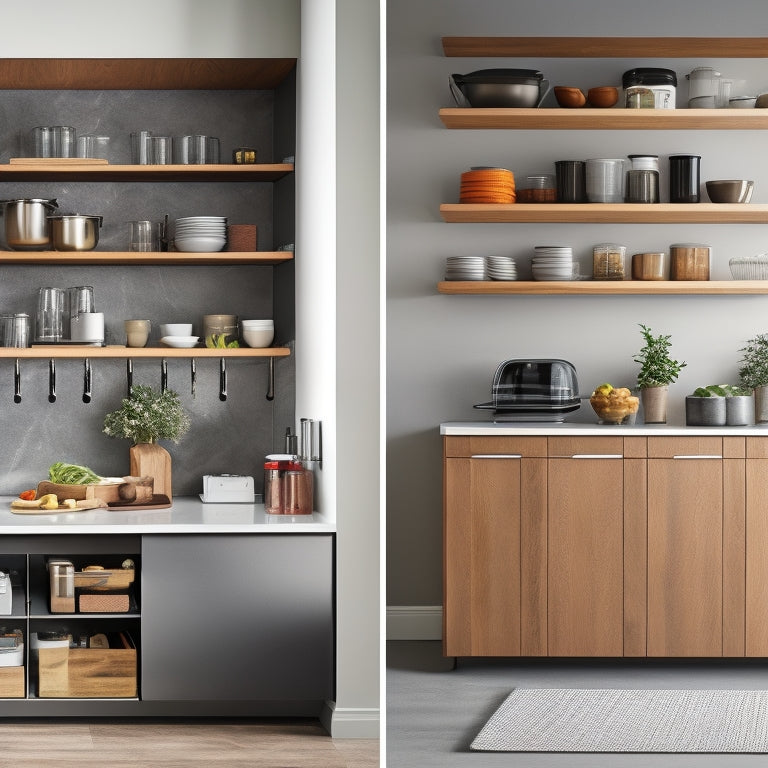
730 190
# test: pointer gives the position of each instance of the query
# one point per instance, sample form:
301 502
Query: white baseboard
350 722
414 622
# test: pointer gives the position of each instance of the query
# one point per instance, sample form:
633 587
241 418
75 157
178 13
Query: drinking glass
50 314
145 235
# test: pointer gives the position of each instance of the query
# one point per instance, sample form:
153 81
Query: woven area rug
608 720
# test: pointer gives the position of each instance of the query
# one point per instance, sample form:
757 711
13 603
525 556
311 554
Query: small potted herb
144 417
754 373
657 371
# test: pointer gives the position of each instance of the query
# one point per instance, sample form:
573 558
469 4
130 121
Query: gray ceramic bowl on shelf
730 190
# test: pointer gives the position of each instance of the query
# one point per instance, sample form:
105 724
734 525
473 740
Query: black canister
649 87
571 181
684 178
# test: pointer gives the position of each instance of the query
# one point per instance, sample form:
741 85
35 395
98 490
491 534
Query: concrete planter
705 411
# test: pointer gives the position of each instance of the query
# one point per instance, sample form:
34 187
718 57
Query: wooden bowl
602 96
570 97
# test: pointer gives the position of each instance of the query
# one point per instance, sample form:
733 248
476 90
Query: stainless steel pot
75 232
26 225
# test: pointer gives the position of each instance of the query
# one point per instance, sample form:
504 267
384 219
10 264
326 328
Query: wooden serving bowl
569 97
602 96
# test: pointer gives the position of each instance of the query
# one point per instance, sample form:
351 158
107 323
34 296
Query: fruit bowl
614 405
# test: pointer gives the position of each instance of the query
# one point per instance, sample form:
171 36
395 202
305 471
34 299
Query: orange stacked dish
487 185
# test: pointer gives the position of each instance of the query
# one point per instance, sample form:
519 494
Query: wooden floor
284 744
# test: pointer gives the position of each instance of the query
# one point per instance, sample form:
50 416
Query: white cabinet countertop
501 429
187 514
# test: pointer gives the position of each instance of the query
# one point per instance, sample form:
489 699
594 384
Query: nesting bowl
603 96
569 97
730 190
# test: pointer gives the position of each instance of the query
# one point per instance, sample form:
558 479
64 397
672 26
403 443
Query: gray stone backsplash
231 436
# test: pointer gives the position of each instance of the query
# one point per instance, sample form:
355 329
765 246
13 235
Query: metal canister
62 582
649 88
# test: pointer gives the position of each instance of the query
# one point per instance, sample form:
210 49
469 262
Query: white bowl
258 323
200 244
258 337
180 342
176 329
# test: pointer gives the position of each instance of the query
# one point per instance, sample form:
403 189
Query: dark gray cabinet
237 617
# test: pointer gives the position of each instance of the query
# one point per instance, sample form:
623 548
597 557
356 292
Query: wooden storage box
87 673
12 682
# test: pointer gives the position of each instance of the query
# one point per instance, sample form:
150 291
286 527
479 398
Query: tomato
28 495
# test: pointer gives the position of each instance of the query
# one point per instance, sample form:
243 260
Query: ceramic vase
738 410
654 401
761 405
152 460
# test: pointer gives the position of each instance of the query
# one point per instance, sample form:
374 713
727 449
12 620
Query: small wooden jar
689 261
649 266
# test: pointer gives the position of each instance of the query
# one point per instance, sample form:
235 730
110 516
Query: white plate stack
552 262
465 268
200 234
500 268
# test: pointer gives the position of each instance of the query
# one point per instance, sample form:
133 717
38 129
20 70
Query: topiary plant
754 362
657 368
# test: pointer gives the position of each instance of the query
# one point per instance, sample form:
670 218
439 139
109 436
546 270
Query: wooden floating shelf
606 213
267 172
607 47
131 258
42 351
604 287
605 119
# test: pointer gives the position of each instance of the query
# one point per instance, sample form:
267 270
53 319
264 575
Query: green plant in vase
144 417
753 373
657 371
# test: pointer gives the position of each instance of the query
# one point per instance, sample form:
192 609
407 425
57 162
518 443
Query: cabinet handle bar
597 456
496 456
698 456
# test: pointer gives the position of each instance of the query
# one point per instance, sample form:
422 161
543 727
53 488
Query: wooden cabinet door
757 547
685 556
585 556
484 566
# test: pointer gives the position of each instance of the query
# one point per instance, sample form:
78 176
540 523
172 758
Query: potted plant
754 373
144 417
706 406
657 371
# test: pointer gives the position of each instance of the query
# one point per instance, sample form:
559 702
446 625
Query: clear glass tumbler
50 314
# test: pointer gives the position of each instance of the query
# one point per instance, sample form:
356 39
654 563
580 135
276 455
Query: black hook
271 382
164 375
222 380
51 381
17 382
129 374
87 381
193 375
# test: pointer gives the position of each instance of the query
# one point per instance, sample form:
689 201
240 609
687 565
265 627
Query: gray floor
434 711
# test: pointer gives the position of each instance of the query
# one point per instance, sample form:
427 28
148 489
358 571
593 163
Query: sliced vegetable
28 495
71 474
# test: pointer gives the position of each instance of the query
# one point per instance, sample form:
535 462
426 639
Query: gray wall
71 428
442 350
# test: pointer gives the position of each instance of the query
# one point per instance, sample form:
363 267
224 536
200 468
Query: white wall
153 29
442 350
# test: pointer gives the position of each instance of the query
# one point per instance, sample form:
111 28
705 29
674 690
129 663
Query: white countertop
187 514
501 429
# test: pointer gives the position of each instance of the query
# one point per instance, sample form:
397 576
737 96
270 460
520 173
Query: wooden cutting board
96 504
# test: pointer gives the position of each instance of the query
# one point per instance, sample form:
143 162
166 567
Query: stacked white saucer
552 262
465 268
200 234
500 268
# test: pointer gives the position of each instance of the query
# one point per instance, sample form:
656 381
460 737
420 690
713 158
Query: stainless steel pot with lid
26 223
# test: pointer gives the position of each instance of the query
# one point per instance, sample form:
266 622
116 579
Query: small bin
609 262
87 673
